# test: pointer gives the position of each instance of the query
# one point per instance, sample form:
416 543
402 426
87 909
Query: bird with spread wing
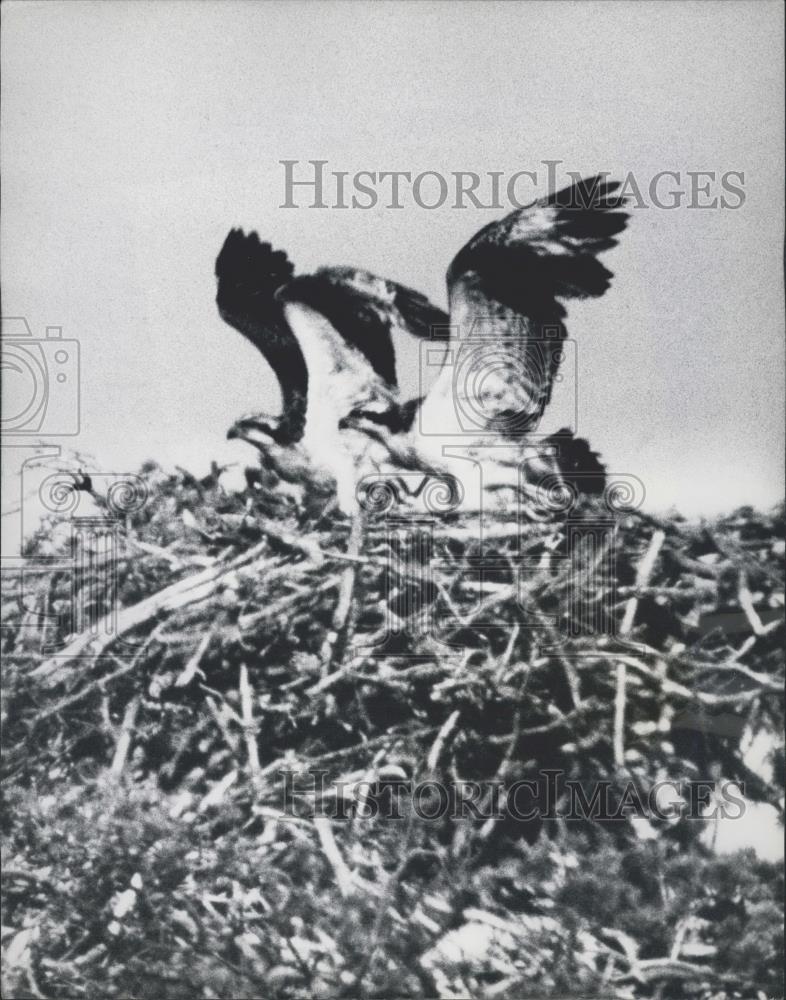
327 337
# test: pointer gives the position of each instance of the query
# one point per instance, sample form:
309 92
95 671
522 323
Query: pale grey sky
136 134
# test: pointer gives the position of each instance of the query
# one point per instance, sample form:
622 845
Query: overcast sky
135 135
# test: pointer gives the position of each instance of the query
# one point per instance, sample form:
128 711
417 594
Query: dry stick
308 546
192 667
751 640
509 529
330 849
216 794
126 732
673 687
573 679
504 662
248 622
102 682
502 774
221 722
439 743
249 726
331 554
746 603
372 744
345 670
766 681
31 980
679 937
769 684
106 716
178 595
346 589
445 595
350 627
648 969
365 787
643 574
192 590
175 561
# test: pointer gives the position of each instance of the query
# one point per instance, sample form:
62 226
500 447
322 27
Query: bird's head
285 469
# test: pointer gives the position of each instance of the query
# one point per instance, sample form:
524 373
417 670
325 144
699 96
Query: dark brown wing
365 310
509 282
249 273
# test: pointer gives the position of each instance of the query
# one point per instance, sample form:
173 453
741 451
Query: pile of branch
244 641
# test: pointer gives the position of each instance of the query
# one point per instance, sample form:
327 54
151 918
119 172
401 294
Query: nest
279 678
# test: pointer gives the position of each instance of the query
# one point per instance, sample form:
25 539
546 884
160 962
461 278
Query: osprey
327 337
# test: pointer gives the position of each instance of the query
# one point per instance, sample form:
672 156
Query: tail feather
579 465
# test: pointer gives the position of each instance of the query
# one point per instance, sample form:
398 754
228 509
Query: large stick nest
258 634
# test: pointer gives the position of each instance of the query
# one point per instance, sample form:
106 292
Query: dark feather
547 250
398 419
365 310
579 465
517 270
249 273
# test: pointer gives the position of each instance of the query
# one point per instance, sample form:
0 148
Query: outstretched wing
507 284
546 251
249 273
365 310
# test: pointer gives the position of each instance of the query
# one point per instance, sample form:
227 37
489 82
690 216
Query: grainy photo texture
392 426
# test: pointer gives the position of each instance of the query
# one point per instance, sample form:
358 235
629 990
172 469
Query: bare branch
643 574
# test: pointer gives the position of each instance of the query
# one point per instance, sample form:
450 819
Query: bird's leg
345 592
